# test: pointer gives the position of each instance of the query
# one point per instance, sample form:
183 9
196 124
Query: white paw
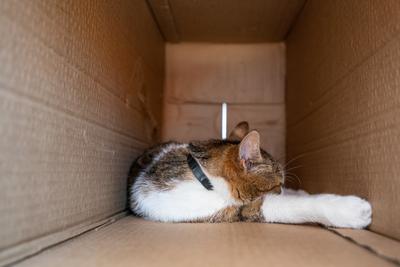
347 212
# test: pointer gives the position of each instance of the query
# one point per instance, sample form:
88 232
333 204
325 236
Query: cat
228 181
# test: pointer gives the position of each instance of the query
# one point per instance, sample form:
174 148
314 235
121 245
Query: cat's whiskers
293 159
292 178
293 168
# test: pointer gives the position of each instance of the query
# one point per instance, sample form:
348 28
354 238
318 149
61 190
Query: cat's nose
276 189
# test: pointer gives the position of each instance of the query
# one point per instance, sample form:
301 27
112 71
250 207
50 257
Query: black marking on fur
198 172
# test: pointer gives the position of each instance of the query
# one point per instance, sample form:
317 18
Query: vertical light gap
224 120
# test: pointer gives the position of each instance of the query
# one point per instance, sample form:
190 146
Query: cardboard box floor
132 241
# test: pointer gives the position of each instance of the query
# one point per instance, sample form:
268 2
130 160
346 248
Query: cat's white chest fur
188 200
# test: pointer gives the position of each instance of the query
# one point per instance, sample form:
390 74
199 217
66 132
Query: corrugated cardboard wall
225 21
249 77
343 99
80 97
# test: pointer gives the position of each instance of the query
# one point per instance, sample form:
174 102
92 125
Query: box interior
87 86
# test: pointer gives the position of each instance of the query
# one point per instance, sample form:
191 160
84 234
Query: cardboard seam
154 18
158 23
294 21
24 251
173 20
366 247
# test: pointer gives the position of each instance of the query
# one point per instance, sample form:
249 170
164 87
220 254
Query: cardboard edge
31 248
383 247
164 18
295 19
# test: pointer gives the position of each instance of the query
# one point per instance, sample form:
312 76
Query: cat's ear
249 149
240 131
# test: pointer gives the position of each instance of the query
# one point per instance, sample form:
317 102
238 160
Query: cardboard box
85 86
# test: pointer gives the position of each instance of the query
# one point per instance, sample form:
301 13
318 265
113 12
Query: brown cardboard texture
72 116
383 246
225 21
342 103
86 86
132 241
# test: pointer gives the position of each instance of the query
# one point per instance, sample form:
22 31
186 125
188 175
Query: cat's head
253 172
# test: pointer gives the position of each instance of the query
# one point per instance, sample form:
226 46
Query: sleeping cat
231 180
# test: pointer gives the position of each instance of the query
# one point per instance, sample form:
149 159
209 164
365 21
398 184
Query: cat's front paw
348 212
